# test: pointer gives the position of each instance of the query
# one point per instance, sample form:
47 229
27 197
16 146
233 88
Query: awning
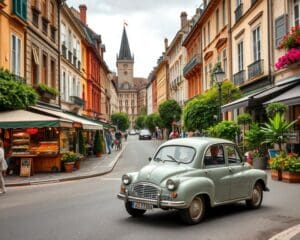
86 124
290 97
272 92
26 119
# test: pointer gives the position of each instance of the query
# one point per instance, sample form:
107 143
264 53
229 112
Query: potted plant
254 139
97 144
277 165
291 169
46 92
69 159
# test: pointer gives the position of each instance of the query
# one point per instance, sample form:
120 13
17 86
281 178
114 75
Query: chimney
83 9
183 17
166 44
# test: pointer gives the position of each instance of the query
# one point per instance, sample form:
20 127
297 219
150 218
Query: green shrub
225 129
45 88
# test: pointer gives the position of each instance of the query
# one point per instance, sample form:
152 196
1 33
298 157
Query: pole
220 102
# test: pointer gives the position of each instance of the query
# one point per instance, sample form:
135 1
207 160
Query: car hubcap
256 196
196 209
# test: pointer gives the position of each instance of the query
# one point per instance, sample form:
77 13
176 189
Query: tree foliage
226 129
244 119
153 120
254 137
14 94
97 143
121 120
140 122
274 108
200 112
169 111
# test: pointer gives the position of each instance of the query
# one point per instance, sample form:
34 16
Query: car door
216 169
239 180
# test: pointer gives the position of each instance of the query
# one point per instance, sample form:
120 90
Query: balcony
192 64
238 12
77 101
79 65
255 69
239 77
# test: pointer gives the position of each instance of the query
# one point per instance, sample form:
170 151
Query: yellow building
13 17
162 78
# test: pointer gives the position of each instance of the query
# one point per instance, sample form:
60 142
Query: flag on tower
125 23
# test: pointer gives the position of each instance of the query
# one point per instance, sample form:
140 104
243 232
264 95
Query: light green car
191 175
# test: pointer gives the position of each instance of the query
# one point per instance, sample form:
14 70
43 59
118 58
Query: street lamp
219 77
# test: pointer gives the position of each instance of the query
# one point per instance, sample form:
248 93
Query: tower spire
124 53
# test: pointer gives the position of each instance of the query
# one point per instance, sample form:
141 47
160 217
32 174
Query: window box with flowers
291 43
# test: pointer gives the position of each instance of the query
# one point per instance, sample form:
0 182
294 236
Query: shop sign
76 125
25 168
293 137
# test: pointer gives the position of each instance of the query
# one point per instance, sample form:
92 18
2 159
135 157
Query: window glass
214 155
232 155
180 154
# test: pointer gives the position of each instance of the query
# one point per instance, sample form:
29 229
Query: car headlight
126 179
171 185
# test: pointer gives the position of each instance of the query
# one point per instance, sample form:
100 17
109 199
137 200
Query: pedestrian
3 168
108 138
125 135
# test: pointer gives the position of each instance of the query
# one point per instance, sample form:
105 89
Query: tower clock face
125 72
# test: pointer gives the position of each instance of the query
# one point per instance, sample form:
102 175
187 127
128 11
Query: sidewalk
90 167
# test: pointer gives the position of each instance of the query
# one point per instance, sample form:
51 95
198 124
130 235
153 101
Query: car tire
256 197
132 211
195 212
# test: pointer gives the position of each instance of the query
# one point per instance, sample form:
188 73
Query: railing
239 77
255 69
77 101
196 59
238 12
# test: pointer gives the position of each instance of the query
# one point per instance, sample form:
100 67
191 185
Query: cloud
149 22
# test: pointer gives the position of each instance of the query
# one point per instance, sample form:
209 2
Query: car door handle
230 169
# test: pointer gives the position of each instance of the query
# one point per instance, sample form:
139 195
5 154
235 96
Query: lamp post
219 77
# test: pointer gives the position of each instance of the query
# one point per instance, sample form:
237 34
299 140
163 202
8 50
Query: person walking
3 168
108 138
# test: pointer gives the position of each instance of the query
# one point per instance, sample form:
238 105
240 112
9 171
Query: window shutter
280 29
24 9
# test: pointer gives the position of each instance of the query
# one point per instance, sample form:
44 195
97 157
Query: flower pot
98 154
276 174
291 177
259 163
77 164
69 166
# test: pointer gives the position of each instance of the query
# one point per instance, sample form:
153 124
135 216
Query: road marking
112 179
287 234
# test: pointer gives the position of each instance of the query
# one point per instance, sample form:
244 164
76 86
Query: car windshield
145 132
179 154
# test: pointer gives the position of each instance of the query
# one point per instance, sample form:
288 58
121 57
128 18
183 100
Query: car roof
196 142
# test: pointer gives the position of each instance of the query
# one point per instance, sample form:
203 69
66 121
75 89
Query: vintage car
191 175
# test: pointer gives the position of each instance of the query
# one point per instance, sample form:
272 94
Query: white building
149 99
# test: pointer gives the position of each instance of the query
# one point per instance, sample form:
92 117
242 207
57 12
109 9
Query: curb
66 179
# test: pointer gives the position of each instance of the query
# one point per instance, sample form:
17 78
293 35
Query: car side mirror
150 158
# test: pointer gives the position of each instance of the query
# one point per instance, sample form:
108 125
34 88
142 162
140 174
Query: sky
149 22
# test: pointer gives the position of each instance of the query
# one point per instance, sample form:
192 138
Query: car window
232 155
145 132
214 156
181 154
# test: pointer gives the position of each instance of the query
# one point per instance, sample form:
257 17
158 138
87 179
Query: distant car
132 132
145 134
192 175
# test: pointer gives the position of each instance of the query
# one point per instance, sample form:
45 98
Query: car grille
145 190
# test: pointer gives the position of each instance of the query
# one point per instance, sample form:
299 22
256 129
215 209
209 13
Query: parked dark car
145 134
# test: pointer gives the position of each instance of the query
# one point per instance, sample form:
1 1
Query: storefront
32 138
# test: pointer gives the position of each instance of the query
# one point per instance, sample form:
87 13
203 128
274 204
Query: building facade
13 21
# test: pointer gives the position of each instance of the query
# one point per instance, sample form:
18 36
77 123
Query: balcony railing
192 63
239 77
255 69
77 101
238 12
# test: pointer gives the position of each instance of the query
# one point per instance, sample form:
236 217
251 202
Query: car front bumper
158 203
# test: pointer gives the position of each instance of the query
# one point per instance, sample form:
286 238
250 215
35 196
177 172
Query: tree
274 108
97 144
14 94
121 120
225 129
140 122
276 130
82 149
153 120
200 113
169 111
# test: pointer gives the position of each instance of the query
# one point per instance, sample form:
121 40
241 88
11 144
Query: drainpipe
271 42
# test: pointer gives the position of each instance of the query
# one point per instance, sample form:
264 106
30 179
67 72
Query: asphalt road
89 209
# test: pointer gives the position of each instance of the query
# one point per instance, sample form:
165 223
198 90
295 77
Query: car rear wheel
195 212
132 211
256 197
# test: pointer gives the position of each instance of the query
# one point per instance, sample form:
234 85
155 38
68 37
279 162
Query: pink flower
292 56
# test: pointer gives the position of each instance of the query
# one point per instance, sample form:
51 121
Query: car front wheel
195 212
133 211
256 197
